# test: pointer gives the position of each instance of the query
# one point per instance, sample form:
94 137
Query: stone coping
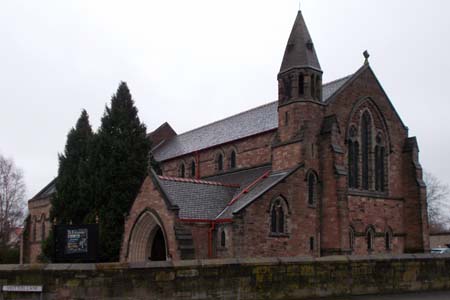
218 262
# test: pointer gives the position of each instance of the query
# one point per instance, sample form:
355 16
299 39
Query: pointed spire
300 52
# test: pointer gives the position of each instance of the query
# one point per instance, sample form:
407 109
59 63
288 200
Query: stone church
326 169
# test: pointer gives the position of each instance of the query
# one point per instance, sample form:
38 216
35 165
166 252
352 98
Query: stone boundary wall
258 278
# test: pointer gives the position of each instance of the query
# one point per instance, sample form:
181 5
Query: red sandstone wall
251 229
200 239
39 211
150 198
342 105
382 214
252 151
227 250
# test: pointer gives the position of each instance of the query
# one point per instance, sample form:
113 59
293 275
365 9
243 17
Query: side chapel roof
218 197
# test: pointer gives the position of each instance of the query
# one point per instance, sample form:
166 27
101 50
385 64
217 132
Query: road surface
410 296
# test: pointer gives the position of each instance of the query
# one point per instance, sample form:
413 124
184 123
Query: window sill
313 206
278 235
372 194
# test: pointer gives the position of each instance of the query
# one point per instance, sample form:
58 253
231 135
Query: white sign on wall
22 288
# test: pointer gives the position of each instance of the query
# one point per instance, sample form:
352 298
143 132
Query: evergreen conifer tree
118 166
69 205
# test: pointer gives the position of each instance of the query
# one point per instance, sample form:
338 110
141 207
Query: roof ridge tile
198 181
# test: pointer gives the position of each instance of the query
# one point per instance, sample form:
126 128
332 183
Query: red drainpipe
213 224
247 189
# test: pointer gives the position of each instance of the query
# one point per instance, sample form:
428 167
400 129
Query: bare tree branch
12 198
438 198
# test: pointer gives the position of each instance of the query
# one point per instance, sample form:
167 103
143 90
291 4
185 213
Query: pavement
445 295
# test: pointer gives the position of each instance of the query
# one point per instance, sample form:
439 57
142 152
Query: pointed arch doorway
148 240
157 249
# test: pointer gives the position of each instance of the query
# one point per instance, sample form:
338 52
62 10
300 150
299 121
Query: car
440 250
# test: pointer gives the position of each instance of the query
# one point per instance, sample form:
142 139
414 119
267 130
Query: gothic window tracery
366 135
353 158
367 154
379 164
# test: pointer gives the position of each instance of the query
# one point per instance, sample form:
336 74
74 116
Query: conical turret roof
300 52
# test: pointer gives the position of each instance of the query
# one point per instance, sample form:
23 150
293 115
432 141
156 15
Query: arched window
312 188
311 244
351 238
370 234
353 159
182 171
301 85
366 135
313 87
287 88
379 164
43 228
317 87
193 174
233 159
280 224
220 162
388 239
277 218
222 239
273 220
34 229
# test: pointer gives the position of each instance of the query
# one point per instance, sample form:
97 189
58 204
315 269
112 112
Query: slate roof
197 199
220 196
333 86
254 121
300 52
242 177
254 193
46 192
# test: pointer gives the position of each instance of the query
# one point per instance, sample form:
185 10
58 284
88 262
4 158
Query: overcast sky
193 62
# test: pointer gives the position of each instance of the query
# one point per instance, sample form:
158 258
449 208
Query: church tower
300 76
299 94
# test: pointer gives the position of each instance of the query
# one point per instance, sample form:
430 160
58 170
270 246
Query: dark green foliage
100 175
9 255
68 204
118 166
48 249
